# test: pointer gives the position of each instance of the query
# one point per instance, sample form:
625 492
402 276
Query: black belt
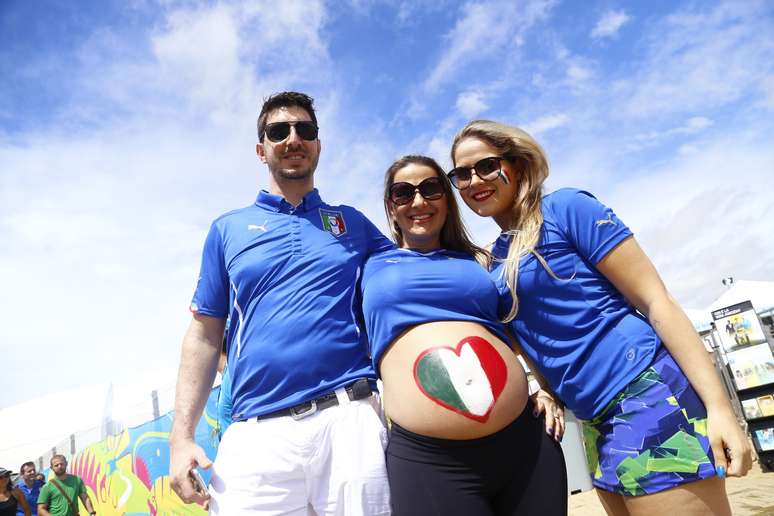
357 391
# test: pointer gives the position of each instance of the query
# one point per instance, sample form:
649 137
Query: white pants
329 463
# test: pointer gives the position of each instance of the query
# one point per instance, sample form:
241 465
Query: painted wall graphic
127 474
738 326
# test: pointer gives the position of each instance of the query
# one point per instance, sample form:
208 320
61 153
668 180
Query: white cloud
609 25
698 60
482 30
546 123
471 103
701 216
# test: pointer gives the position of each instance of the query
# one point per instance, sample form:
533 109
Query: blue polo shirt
31 494
402 288
587 340
287 278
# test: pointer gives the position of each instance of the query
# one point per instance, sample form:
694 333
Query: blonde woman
464 436
593 315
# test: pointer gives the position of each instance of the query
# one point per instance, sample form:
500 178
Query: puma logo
262 227
608 220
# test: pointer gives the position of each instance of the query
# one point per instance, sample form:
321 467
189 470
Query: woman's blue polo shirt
587 340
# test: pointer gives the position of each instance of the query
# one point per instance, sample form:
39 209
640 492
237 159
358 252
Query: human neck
292 191
423 246
30 483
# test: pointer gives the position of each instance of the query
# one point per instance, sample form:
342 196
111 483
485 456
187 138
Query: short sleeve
44 495
212 289
81 487
593 228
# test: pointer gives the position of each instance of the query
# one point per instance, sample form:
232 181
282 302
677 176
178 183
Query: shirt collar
277 203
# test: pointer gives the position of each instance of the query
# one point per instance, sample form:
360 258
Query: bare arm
545 400
198 364
84 496
42 510
632 273
22 502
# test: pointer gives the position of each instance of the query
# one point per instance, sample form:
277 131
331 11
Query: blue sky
126 127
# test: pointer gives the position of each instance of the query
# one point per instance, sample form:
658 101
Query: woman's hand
554 413
730 447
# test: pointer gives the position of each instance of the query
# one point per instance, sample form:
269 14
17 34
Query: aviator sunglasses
430 189
278 131
487 169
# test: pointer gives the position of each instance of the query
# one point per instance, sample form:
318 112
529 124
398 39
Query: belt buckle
296 414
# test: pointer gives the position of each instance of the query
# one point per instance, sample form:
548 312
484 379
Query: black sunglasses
487 169
431 189
278 131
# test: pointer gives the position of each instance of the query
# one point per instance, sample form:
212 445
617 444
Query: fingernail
721 471
535 413
550 431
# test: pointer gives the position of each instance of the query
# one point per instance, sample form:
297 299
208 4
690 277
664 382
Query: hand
546 404
730 447
183 457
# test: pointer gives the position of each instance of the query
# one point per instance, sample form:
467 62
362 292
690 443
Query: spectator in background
30 486
11 498
59 497
224 395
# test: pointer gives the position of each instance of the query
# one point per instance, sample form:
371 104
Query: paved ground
752 495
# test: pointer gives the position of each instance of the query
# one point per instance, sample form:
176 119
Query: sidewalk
752 495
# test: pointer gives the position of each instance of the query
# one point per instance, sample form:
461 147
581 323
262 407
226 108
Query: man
59 497
30 486
307 436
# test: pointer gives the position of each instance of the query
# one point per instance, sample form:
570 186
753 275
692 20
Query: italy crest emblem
333 222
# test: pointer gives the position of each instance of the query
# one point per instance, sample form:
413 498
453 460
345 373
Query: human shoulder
233 215
567 196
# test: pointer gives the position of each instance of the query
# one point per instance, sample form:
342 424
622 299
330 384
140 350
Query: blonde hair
454 235
526 217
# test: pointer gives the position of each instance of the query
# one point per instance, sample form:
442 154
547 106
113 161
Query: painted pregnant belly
467 378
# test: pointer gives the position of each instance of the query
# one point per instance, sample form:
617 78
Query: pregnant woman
592 313
464 439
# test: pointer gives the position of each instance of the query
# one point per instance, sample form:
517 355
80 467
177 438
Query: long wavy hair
526 218
454 235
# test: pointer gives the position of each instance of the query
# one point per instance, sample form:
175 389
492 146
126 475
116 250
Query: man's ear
260 151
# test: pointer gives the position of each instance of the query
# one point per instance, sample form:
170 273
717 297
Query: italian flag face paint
467 379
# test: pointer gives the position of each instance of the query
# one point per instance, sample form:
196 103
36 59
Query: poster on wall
765 438
766 404
751 409
738 326
751 367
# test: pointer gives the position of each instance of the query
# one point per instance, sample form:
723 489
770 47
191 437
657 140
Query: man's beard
292 175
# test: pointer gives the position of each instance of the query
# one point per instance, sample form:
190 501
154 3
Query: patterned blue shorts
652 436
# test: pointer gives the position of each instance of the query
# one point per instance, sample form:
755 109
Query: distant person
306 426
224 395
11 498
29 485
59 497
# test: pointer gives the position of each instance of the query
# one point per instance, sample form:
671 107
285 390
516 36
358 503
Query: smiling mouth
293 157
421 218
482 196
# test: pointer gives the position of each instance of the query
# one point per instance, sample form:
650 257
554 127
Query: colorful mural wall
127 474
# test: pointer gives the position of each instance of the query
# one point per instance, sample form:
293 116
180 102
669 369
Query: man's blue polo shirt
287 276
585 337
31 494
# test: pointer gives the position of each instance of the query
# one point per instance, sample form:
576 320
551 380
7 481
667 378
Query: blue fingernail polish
721 471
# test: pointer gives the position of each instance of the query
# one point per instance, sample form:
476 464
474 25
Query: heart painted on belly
467 378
